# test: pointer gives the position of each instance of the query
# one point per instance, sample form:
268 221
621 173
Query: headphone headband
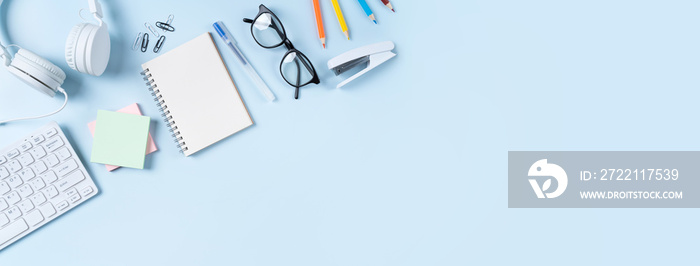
95 9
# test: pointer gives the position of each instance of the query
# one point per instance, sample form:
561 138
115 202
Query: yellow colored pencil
341 19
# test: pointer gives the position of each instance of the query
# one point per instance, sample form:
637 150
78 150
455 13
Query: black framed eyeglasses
295 68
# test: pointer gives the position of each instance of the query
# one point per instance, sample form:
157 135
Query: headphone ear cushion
71 45
57 74
97 50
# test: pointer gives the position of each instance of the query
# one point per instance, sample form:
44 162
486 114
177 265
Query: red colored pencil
387 4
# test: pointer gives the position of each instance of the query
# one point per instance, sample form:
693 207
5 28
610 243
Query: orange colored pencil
319 23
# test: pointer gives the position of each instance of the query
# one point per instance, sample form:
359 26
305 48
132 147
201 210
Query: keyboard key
50 132
52 160
37 183
54 144
51 191
12 230
26 174
3 159
3 204
12 154
14 166
66 167
70 181
63 153
14 181
62 205
38 152
25 191
38 139
38 198
26 206
49 177
47 209
25 146
11 198
26 159
3 172
39 167
3 219
14 213
74 198
71 192
4 187
34 218
86 191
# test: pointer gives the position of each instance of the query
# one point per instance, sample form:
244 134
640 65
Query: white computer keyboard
41 177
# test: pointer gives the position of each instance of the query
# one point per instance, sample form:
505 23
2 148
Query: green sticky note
120 139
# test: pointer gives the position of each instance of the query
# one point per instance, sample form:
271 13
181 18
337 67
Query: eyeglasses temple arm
296 92
308 67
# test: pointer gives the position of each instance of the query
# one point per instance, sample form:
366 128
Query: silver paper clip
152 29
137 41
159 44
144 43
165 26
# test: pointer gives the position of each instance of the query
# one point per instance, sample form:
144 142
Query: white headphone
87 51
87 46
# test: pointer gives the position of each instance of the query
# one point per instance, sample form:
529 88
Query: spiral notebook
196 94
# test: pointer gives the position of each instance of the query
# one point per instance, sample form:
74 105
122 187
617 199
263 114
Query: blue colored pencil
368 11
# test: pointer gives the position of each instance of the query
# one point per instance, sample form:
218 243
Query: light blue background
405 166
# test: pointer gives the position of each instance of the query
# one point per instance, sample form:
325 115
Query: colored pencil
319 23
341 19
387 4
367 10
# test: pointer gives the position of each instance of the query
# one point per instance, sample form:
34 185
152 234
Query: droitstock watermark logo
603 179
542 168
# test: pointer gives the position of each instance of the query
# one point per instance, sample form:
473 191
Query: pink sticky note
134 110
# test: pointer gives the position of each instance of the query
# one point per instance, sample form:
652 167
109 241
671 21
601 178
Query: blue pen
231 42
368 11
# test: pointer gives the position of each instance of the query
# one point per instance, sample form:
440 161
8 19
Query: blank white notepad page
198 93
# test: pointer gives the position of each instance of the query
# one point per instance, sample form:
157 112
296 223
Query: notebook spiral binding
163 108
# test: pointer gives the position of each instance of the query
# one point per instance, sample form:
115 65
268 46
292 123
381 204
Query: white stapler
372 55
